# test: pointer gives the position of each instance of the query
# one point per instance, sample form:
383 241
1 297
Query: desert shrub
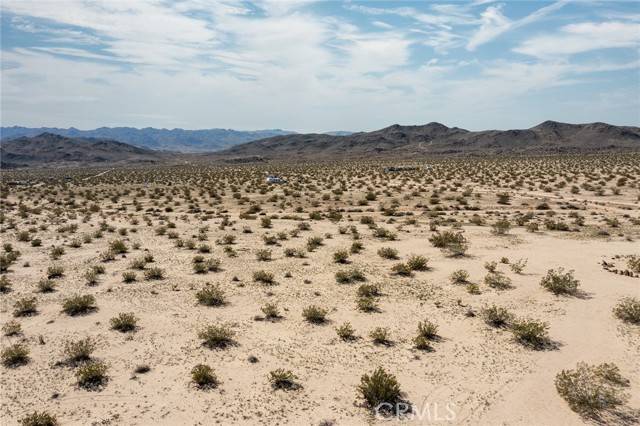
78 304
293 252
38 418
491 266
501 227
367 304
496 316
124 322
356 247
380 336
264 277
530 332
92 374
497 280
211 295
45 285
282 379
11 328
91 277
129 277
265 222
518 266
368 290
459 277
349 276
138 263
216 336
384 234
79 350
5 284
379 388
14 355
532 227
346 331
427 330
314 314
270 311
341 256
472 288
559 282
56 252
418 263
153 274
118 247
263 255
313 243
401 269
633 263
204 248
628 310
388 253
55 271
204 376
591 389
25 307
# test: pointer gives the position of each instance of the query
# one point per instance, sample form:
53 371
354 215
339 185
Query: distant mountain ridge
205 140
48 149
396 141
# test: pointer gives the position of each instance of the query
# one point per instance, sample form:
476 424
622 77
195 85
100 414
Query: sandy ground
475 374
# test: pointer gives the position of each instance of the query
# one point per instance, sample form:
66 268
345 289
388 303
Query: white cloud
583 37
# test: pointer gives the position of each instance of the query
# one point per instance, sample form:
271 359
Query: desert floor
474 373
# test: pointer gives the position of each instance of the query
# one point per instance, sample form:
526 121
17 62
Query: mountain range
398 141
205 140
393 142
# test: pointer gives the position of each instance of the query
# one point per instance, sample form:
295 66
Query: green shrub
314 314
25 307
459 277
591 389
92 374
491 266
283 379
349 276
45 285
427 329
379 388
211 295
204 377
341 256
14 355
501 227
559 282
496 316
356 247
497 280
518 266
129 277
12 328
380 336
346 331
216 336
264 277
124 322
5 284
263 255
388 253
39 419
118 247
401 269
79 350
628 310
270 311
76 305
418 263
55 271
153 274
530 332
367 304
369 290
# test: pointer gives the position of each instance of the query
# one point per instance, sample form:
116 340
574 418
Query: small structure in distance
275 179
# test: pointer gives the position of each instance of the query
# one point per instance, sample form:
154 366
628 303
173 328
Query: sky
315 66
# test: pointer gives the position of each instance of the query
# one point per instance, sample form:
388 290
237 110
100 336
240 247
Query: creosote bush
79 350
124 322
592 389
79 304
496 316
558 281
283 379
346 331
314 314
217 336
14 355
39 418
628 310
530 332
378 388
211 295
204 377
25 307
92 375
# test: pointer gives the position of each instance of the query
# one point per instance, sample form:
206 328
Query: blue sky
318 66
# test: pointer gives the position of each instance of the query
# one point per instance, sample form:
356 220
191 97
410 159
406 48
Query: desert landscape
496 290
